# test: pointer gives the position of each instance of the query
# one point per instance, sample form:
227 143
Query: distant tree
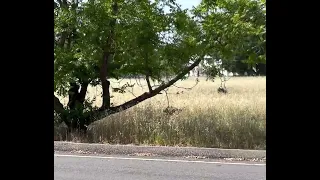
236 33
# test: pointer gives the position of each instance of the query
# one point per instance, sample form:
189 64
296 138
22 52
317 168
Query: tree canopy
96 40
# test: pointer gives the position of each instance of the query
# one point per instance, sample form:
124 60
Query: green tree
236 31
97 40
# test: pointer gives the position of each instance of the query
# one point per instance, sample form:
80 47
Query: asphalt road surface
72 167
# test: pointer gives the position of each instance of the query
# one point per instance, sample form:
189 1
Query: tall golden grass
206 118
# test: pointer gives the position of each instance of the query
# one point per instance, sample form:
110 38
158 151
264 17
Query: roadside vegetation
121 69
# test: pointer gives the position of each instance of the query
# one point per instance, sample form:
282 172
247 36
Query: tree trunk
105 83
76 120
76 97
105 61
261 69
73 95
83 92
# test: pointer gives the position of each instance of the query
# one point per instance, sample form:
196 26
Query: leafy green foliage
144 40
141 41
234 28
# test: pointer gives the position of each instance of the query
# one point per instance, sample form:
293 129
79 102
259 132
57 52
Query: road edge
211 153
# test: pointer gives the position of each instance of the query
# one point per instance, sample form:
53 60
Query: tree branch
139 83
148 82
62 39
148 95
188 88
167 97
148 72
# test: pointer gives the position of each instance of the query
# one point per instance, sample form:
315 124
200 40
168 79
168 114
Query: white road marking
161 160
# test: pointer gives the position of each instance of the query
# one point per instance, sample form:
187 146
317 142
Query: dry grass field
205 117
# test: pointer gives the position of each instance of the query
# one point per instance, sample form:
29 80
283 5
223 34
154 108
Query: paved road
124 168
